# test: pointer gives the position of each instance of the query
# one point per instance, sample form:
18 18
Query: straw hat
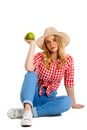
52 31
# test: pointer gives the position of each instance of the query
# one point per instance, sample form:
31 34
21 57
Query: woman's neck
54 57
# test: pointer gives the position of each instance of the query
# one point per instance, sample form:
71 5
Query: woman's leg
28 88
53 106
27 96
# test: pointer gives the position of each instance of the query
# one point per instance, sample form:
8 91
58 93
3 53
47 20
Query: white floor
73 119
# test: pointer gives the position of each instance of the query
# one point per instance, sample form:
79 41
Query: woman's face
51 44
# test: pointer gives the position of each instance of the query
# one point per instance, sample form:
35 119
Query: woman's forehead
49 37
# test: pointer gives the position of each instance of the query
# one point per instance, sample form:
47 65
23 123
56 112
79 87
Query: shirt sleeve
69 73
37 60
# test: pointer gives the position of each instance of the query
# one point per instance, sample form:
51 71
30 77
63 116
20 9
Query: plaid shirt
51 78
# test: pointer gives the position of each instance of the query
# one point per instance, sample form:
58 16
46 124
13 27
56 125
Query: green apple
30 36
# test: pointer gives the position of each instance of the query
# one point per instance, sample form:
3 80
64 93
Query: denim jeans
42 105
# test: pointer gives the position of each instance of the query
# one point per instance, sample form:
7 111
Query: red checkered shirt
51 78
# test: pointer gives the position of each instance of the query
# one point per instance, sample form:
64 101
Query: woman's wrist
32 44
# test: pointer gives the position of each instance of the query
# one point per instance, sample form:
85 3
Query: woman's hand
77 106
70 92
29 41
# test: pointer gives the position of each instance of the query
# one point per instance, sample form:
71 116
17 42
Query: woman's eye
54 40
47 42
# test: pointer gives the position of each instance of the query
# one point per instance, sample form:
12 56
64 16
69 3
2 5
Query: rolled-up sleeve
69 73
37 61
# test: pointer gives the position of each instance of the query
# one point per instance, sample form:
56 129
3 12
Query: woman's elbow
29 68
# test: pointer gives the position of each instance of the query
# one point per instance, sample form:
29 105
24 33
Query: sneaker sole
26 125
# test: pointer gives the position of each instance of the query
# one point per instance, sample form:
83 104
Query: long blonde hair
61 53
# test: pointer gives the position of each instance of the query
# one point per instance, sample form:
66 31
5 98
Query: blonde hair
61 53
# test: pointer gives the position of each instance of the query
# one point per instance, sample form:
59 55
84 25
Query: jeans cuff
34 112
27 101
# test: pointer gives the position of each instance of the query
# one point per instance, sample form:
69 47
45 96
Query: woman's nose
51 43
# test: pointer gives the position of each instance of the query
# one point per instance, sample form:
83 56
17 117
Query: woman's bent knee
68 101
31 74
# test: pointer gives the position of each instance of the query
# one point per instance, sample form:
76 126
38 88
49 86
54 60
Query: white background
17 17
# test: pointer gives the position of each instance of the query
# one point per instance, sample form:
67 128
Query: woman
45 71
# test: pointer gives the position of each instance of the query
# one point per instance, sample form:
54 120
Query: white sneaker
27 119
15 113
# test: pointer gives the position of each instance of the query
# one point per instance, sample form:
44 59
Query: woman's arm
70 92
29 66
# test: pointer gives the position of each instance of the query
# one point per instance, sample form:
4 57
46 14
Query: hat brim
64 36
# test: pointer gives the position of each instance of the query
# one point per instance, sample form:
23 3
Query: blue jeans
42 105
